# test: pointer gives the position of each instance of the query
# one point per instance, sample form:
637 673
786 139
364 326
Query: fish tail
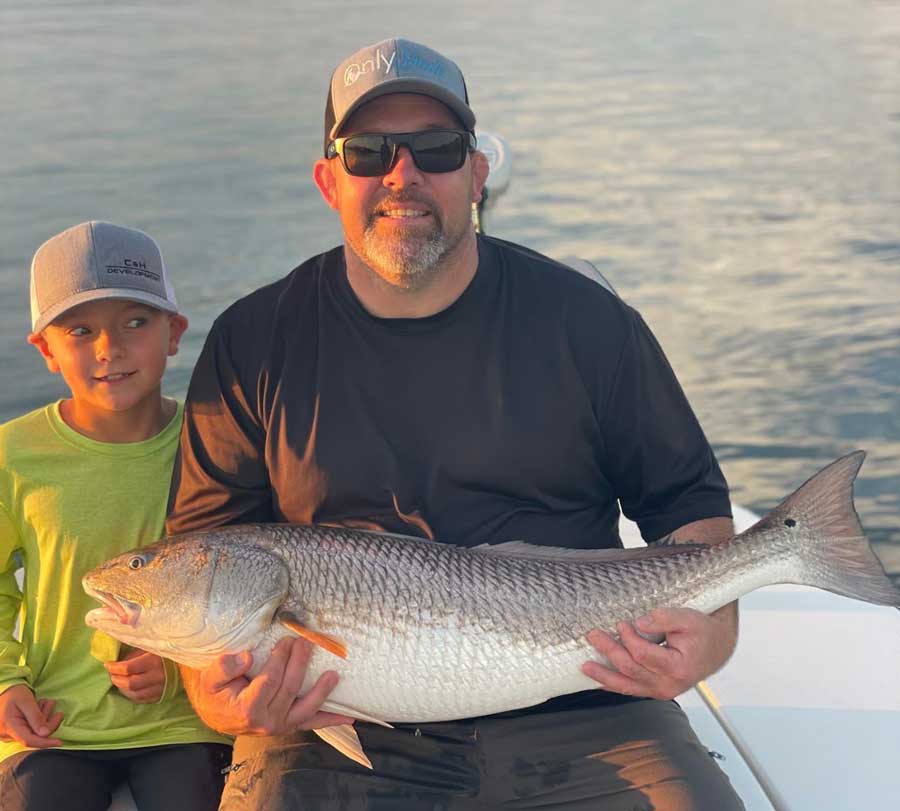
828 537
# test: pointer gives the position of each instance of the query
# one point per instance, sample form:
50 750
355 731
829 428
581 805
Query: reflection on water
733 168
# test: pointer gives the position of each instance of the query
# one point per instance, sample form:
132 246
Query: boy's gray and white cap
94 261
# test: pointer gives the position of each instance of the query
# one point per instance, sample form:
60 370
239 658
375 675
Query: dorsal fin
530 551
414 519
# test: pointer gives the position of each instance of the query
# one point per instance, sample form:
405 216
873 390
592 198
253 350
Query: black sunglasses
374 154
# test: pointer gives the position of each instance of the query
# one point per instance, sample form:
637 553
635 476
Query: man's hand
28 720
268 704
696 646
140 676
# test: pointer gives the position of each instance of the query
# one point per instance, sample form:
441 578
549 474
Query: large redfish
422 631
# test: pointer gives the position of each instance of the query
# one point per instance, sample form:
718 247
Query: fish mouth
115 609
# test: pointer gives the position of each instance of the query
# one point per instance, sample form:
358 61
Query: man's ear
177 325
326 183
480 170
37 340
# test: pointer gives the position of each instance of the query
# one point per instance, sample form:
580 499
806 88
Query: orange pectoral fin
289 621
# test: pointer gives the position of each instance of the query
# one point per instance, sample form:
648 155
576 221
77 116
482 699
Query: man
425 380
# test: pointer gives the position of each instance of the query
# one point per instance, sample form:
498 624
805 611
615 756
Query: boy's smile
112 354
114 378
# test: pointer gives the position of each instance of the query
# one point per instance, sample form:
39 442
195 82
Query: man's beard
408 261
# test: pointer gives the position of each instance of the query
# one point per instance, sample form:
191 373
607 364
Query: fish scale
430 610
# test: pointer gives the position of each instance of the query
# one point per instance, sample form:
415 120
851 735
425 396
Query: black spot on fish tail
828 537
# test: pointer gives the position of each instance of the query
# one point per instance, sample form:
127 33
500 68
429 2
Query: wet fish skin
436 632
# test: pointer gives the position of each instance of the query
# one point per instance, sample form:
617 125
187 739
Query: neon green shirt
68 503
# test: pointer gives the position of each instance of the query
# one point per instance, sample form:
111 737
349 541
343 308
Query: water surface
733 168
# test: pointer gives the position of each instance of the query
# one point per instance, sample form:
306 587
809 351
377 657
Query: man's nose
404 172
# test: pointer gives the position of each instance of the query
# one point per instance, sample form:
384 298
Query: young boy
82 480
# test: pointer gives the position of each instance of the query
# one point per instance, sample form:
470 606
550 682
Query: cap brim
54 312
406 85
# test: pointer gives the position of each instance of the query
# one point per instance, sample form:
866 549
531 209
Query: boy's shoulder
18 436
27 425
45 430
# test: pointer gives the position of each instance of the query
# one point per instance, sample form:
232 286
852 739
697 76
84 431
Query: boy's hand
139 676
27 720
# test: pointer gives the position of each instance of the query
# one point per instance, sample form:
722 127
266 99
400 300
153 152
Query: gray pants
640 756
184 777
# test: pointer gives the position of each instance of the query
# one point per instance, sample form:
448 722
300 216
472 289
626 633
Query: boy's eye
79 332
135 322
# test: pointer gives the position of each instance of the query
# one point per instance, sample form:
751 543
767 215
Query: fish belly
442 675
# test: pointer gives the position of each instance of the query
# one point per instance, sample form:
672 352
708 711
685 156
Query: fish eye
137 562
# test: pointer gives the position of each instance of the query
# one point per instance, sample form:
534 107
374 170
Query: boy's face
111 353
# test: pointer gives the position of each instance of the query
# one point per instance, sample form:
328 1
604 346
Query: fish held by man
394 615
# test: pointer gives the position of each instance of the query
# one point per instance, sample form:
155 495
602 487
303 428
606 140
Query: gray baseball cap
394 66
93 261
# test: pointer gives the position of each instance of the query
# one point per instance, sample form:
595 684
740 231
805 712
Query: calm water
734 169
